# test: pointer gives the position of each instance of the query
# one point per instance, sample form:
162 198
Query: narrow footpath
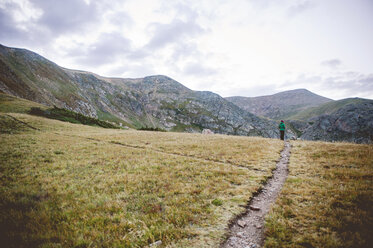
247 231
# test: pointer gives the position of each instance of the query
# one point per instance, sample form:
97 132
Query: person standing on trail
282 129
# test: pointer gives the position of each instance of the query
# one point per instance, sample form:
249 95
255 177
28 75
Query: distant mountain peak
160 77
280 105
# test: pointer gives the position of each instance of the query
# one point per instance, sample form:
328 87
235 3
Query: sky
230 47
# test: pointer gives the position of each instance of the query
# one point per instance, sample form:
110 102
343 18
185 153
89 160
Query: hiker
282 129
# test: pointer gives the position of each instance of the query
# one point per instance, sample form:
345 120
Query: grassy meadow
327 200
71 185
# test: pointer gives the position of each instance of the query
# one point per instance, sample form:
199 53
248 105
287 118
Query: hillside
313 117
155 101
13 104
327 108
344 120
281 105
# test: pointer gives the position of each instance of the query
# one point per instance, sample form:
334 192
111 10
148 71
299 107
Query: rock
258 226
156 243
254 208
233 240
251 245
207 131
241 223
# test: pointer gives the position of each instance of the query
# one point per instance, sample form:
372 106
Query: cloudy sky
231 47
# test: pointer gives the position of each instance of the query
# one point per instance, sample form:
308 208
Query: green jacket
282 126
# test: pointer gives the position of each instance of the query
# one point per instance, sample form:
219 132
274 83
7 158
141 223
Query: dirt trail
247 231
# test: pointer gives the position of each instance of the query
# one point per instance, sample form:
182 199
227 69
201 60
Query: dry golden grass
71 185
327 199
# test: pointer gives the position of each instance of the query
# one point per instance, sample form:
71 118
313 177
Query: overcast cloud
236 47
332 63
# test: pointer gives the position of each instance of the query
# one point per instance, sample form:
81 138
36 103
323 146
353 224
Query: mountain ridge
280 105
154 101
313 117
158 101
348 119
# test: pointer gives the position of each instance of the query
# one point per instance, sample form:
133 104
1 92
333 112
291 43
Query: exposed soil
247 230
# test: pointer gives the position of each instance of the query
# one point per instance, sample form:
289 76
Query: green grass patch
217 202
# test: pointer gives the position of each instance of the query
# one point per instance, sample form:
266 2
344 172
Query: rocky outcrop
352 122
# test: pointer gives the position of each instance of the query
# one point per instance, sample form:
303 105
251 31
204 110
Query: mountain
155 101
327 108
281 105
313 117
344 120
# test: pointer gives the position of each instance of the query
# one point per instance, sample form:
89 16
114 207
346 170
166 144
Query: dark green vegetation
327 199
154 129
70 116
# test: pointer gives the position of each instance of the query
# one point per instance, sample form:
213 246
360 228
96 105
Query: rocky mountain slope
313 117
281 105
155 101
344 120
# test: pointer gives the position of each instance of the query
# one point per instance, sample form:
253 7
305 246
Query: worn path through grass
247 231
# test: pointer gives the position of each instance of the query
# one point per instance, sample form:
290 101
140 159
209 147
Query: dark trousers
282 133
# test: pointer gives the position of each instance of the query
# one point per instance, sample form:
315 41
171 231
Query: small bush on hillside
156 129
70 116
